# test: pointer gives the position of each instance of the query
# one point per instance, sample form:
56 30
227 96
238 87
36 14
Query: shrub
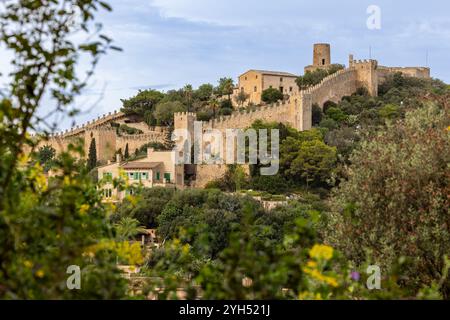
271 95
395 202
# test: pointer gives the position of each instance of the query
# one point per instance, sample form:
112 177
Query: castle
295 110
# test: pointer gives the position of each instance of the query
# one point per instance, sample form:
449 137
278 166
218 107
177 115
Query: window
255 89
256 76
107 193
245 78
281 79
158 175
323 62
145 175
135 175
290 89
167 176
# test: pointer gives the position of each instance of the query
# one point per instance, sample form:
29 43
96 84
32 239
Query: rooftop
273 73
140 165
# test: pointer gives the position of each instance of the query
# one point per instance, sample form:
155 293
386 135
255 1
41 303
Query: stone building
157 169
254 82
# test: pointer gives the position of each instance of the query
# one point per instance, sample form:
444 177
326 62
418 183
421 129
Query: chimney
150 151
118 158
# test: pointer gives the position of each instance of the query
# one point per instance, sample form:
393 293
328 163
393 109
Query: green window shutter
158 175
167 176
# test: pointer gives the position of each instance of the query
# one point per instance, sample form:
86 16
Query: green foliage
273 184
123 128
271 95
204 92
209 214
312 163
336 114
145 207
165 110
92 156
395 202
311 78
242 97
225 87
127 228
47 227
144 101
45 156
127 152
389 111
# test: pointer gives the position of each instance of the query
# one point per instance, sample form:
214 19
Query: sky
169 43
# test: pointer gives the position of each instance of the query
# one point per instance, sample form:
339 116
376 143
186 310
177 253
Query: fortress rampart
106 139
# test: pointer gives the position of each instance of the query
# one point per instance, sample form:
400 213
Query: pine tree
92 159
127 153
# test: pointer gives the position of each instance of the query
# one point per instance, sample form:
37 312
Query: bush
145 207
395 202
273 184
271 95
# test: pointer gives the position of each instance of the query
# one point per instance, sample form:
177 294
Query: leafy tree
127 152
46 227
145 101
188 92
92 157
164 112
145 207
336 114
313 162
214 105
46 156
395 202
127 228
271 95
204 92
225 87
242 97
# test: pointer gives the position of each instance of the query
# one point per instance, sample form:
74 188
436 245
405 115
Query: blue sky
169 43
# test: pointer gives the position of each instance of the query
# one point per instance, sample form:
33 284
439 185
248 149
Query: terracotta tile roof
140 165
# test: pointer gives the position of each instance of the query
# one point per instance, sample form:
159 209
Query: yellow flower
311 264
84 209
40 273
28 264
321 252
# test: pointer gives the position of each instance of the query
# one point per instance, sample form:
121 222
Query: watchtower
322 54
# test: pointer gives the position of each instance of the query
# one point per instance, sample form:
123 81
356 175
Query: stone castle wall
138 140
296 112
417 72
106 138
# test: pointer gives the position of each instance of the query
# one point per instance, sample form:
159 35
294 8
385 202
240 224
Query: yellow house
254 82
157 169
